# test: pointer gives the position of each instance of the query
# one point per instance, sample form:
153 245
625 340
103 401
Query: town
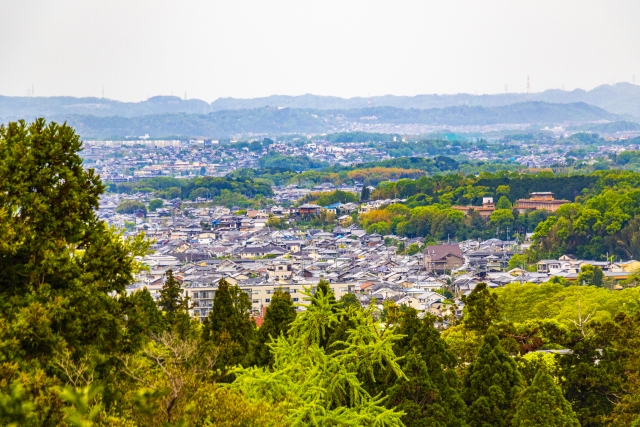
202 245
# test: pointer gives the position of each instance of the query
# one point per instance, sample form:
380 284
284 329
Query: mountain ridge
621 98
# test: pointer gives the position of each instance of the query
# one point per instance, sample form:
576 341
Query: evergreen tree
63 272
543 405
366 193
151 318
428 395
480 308
490 384
174 304
277 319
229 325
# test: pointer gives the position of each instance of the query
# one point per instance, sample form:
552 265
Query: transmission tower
528 89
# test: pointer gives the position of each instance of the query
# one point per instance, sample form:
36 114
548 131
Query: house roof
438 252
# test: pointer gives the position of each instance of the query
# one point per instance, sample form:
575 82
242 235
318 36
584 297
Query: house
309 209
442 258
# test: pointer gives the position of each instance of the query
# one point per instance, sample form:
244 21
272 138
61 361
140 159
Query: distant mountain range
273 121
622 98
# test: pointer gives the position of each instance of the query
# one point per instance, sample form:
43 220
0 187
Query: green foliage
519 303
365 194
15 409
491 384
174 304
590 275
155 204
481 308
503 203
542 404
131 207
229 325
321 388
337 196
293 163
64 272
277 319
428 395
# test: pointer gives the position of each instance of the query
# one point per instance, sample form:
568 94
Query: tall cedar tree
229 325
543 405
490 384
366 193
277 319
63 272
174 304
481 308
429 396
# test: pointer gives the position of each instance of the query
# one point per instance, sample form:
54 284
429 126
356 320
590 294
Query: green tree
150 317
174 304
277 319
428 395
229 325
320 387
64 272
590 275
130 207
366 193
491 383
503 203
542 404
481 308
518 261
501 217
155 204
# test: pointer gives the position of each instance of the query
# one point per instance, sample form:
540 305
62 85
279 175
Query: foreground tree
63 271
490 384
428 395
277 319
319 388
229 325
543 405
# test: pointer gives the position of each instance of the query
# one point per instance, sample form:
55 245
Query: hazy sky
211 49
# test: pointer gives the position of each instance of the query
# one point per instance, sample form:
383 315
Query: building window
295 299
267 300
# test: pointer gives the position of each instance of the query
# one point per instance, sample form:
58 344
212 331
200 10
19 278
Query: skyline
252 49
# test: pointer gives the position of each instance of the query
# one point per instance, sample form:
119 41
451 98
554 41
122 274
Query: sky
246 49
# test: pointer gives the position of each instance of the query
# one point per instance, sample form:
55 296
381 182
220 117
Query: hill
290 120
622 98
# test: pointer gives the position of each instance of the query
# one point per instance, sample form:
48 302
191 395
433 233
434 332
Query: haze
355 48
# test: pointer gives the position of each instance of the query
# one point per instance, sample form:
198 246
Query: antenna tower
528 89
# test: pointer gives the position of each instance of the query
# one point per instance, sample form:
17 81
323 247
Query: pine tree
429 395
543 405
490 384
229 325
277 319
